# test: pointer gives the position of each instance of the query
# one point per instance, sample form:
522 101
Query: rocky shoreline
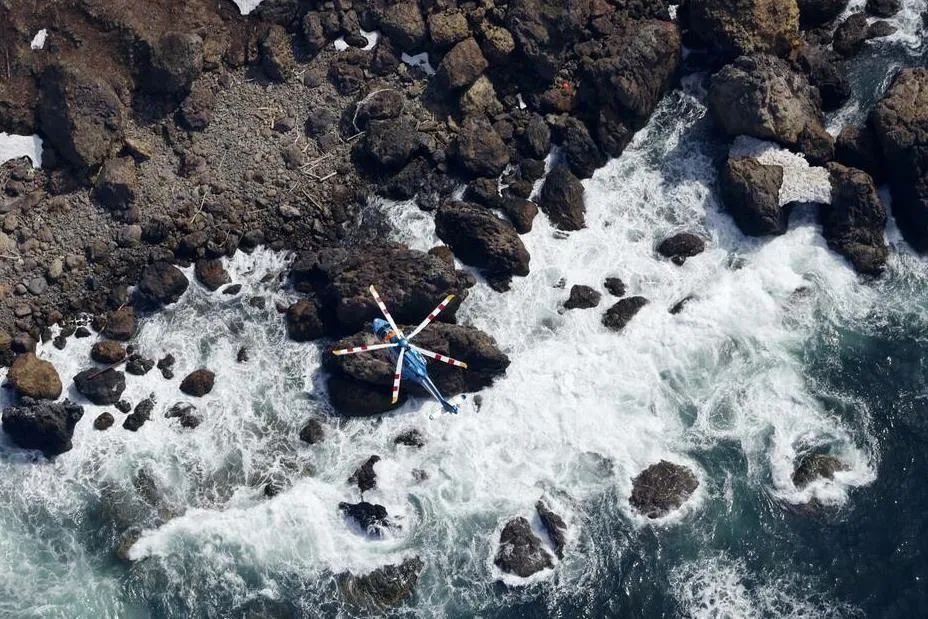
176 136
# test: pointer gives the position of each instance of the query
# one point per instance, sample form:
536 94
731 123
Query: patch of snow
801 182
38 41
522 105
16 146
246 6
372 37
340 44
419 60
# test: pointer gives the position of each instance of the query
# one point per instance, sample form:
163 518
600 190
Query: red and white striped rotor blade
437 357
357 349
385 311
431 317
398 375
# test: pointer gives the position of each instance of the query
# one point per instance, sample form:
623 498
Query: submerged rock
103 421
198 383
360 384
520 551
554 526
621 313
185 412
312 432
34 378
46 426
662 488
816 466
365 478
384 588
411 438
102 387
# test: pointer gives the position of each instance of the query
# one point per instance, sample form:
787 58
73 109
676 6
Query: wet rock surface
46 426
554 526
198 383
750 191
384 588
582 297
662 488
854 222
369 517
102 387
816 466
520 551
622 312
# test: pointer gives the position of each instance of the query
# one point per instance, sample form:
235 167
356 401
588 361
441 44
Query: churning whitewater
760 366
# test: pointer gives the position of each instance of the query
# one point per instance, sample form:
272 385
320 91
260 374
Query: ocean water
782 350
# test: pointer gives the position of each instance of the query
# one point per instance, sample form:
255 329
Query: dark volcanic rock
175 61
384 588
462 65
137 365
662 488
360 384
46 426
580 151
750 191
816 466
827 71
34 378
303 322
403 23
277 60
211 273
102 387
853 223
479 150
312 432
196 111
104 421
900 121
615 286
140 415
107 352
582 297
621 313
117 184
681 246
481 239
562 199
762 97
162 283
120 325
851 34
858 147
410 282
80 116
365 478
520 551
734 27
884 8
372 518
198 383
185 412
390 143
554 526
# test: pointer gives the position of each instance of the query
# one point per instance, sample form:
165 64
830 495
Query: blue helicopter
401 349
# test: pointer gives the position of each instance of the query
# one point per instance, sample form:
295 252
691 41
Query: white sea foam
801 182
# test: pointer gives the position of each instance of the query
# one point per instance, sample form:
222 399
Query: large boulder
198 383
404 24
761 96
478 149
390 143
46 426
561 199
34 378
542 29
384 588
481 239
851 34
120 325
117 183
462 65
900 121
102 387
622 312
174 62
735 27
360 384
365 477
858 147
816 466
211 273
410 282
580 150
680 246
827 71
853 223
661 488
303 321
80 116
750 192
162 283
520 551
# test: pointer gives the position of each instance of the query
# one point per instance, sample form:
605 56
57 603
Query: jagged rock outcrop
761 96
816 466
622 312
662 488
561 199
384 588
46 426
900 121
34 378
735 27
520 551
